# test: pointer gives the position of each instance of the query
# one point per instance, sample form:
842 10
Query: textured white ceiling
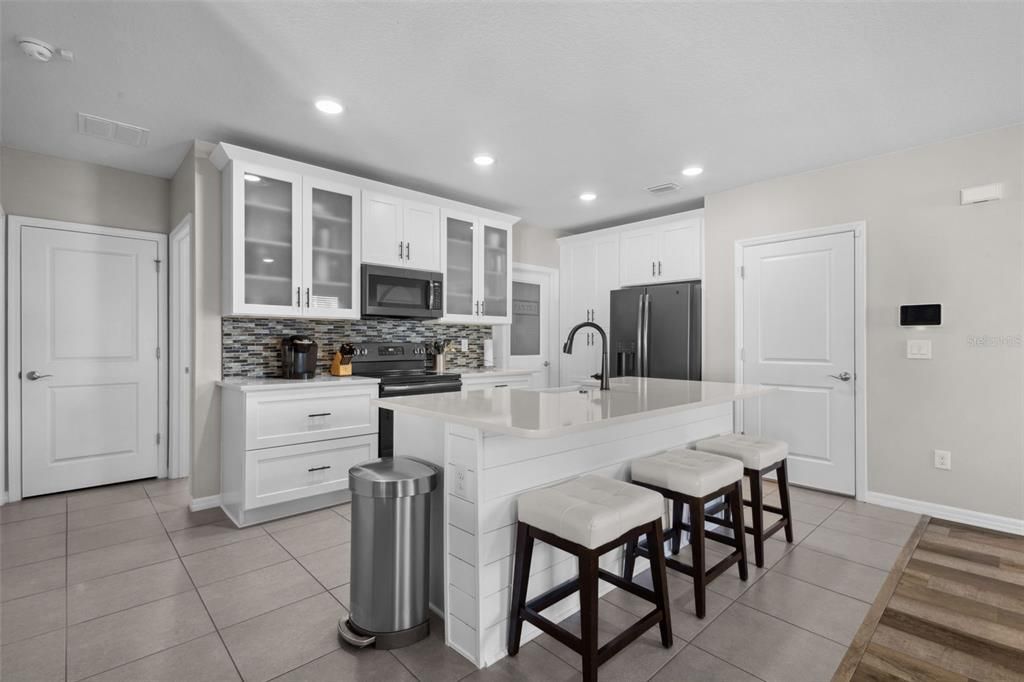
609 97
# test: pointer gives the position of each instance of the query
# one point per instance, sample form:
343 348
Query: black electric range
403 370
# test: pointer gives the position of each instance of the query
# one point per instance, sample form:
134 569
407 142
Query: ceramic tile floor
124 583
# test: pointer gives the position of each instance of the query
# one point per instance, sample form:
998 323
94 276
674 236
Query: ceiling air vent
104 128
663 188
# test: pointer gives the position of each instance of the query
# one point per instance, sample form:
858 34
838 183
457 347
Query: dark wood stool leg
697 543
520 578
655 538
757 512
783 476
588 614
629 559
676 533
736 511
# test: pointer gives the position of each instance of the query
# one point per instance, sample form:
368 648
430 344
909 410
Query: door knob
547 364
36 376
842 376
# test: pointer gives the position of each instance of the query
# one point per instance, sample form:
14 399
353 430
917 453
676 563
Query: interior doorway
86 386
531 341
800 328
180 369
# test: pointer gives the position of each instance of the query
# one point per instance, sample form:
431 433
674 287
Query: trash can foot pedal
351 636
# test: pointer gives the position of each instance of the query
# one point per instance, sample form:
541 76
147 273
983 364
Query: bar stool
691 478
587 517
759 457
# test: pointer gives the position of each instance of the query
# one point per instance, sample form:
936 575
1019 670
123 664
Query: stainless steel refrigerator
655 331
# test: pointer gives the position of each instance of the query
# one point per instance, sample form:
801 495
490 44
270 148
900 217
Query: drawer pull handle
326 466
501 385
320 414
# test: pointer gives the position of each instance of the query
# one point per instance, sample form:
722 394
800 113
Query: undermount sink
564 389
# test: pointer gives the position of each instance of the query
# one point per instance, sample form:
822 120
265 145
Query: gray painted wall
922 246
43 186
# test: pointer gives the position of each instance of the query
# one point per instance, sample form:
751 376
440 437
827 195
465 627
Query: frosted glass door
331 276
270 265
495 271
459 271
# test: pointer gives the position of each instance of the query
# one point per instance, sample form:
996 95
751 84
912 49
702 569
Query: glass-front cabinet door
267 250
494 265
330 247
461 302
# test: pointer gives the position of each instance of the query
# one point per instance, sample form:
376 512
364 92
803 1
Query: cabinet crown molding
638 225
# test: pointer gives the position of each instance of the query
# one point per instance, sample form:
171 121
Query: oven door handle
402 388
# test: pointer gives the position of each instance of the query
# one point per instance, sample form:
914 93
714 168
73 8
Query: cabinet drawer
514 381
295 471
303 416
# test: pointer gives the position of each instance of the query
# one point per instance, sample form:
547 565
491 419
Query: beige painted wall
536 246
196 188
922 246
43 186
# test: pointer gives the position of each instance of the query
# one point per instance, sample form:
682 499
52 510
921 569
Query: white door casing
89 319
179 272
798 331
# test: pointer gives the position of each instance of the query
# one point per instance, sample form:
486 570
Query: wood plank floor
957 612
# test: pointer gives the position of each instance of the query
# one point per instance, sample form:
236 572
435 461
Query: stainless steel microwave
400 292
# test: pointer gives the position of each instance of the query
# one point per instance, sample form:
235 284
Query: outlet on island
943 459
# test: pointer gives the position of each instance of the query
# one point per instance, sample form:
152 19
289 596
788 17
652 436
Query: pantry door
90 345
531 340
798 335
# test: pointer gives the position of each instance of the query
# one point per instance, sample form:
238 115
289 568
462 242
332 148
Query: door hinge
743 355
742 272
157 261
158 352
158 439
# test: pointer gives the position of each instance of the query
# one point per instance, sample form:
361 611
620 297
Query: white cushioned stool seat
590 510
689 472
755 453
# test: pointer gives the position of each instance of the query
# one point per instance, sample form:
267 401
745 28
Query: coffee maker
298 357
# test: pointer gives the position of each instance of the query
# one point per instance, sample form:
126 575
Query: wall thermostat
921 315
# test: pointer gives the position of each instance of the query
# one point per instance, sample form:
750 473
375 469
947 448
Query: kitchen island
500 442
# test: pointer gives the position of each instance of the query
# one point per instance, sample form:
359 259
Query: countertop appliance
401 292
403 370
655 331
298 357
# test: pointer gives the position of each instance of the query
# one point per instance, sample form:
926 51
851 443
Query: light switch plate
919 349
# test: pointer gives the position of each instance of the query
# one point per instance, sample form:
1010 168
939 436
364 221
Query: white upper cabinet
476 260
263 249
296 236
670 252
331 249
589 271
401 233
290 246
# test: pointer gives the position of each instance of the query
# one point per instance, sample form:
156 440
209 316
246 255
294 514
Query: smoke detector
42 51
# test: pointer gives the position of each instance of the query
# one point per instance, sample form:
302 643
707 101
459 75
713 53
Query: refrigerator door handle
640 337
646 366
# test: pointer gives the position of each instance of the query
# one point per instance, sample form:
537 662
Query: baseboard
201 503
3 498
1004 524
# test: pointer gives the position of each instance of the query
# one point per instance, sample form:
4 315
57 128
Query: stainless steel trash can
390 552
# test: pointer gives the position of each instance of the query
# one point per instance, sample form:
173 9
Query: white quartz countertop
270 383
544 413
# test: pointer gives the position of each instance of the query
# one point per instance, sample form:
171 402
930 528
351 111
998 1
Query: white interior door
90 374
799 331
530 341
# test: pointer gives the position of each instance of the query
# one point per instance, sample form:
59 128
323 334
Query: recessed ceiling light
329 106
588 196
483 160
268 260
249 177
692 171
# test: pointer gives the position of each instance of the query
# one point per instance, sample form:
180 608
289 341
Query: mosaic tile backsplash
251 347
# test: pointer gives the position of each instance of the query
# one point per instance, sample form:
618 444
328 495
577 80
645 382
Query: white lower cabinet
287 448
495 380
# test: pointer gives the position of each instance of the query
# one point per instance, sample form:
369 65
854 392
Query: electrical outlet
464 345
943 459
